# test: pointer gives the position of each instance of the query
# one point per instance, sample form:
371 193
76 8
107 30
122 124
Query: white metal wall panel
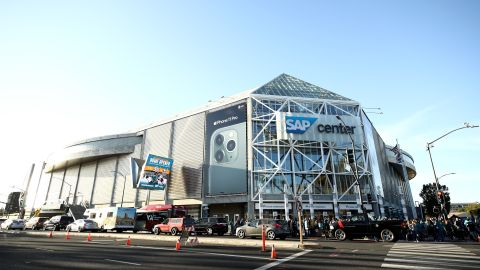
55 186
157 142
104 181
71 177
85 182
124 168
187 153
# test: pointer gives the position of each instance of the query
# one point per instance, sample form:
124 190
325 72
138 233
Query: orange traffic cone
68 235
177 245
89 238
50 235
129 242
274 253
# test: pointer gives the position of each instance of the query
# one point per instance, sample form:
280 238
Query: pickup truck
364 225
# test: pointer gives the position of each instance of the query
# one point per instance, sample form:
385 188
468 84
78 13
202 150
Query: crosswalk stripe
403 266
472 259
432 254
435 256
436 263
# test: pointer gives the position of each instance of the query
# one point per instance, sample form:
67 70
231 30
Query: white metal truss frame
269 117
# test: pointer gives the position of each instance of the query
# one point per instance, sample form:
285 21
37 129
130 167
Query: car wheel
271 235
220 234
80 229
387 235
135 231
340 234
241 234
174 231
209 231
156 231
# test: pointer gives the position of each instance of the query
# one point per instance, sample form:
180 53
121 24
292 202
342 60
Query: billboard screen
155 173
226 150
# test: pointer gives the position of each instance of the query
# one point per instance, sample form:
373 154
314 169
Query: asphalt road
21 251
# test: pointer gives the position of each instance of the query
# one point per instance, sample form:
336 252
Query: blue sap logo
298 124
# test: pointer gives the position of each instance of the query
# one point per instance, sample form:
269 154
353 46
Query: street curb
201 240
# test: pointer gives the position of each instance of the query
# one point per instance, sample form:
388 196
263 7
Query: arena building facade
267 152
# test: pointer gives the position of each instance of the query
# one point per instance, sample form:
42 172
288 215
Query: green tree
431 201
472 207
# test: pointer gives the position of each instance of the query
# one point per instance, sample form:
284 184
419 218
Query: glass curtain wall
299 164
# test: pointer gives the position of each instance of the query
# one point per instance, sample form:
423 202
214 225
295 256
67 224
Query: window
109 214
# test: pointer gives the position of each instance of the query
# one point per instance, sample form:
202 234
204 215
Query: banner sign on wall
155 173
226 150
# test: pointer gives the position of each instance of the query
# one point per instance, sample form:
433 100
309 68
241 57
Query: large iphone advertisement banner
226 150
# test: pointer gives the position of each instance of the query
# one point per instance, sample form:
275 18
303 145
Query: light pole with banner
437 184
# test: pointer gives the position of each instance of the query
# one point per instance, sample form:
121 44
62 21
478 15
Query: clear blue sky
70 71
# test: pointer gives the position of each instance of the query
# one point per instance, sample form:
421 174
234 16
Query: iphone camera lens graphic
231 145
219 139
219 155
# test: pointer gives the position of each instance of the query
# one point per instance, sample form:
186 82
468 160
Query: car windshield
88 221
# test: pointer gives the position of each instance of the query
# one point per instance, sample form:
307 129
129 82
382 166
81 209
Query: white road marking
291 257
403 266
433 256
44 249
432 262
355 250
122 262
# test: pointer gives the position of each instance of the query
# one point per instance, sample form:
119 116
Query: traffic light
350 156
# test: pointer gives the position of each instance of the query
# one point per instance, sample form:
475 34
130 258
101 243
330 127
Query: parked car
81 225
35 223
2 220
364 225
274 228
211 225
57 223
172 225
13 224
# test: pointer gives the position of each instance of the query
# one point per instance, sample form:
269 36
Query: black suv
57 223
211 225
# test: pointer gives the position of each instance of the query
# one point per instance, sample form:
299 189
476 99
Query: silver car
81 225
13 224
274 228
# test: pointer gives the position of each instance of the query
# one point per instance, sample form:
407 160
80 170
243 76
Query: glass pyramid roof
286 85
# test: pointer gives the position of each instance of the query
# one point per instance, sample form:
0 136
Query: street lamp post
429 146
124 182
355 172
